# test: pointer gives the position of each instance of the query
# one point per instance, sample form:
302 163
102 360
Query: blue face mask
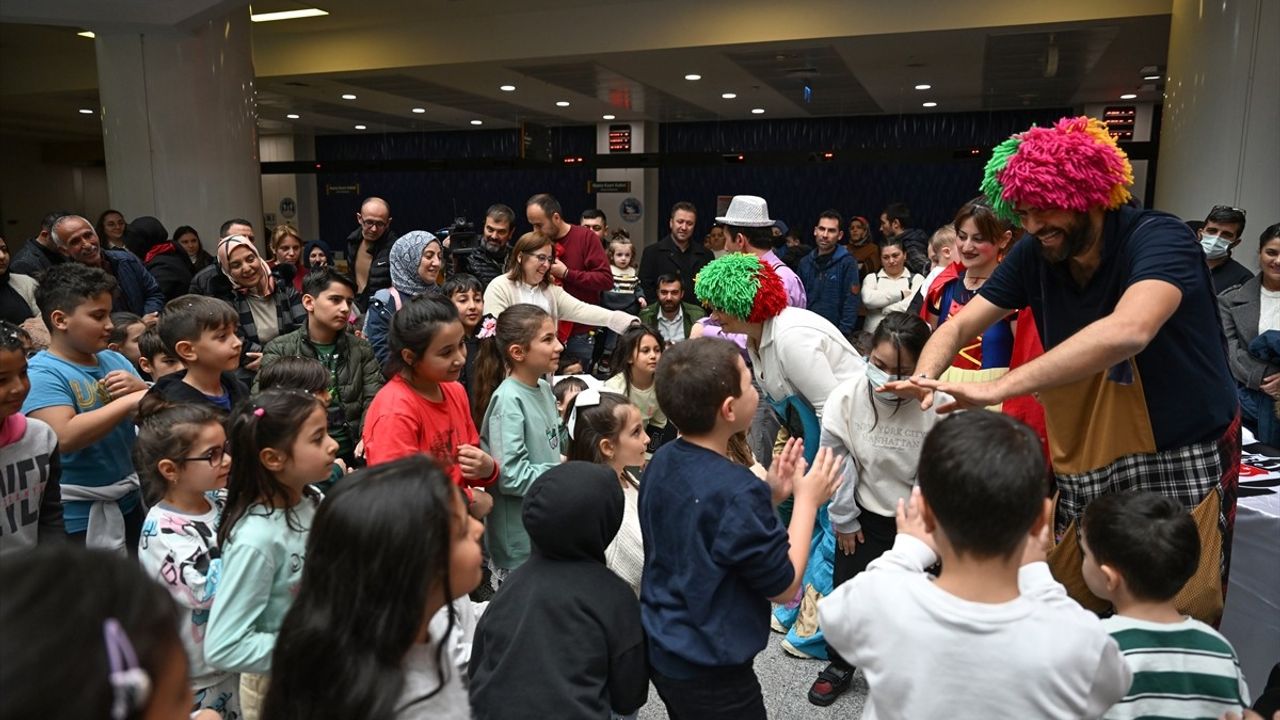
1215 247
878 378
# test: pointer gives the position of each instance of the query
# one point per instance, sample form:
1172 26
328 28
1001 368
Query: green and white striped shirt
1180 670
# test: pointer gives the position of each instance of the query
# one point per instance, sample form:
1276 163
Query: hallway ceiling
50 73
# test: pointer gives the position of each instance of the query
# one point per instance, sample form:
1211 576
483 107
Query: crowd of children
626 532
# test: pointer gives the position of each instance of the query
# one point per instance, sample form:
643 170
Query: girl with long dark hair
635 358
876 437
369 636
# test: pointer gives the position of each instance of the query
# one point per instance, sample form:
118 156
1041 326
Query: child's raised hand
820 483
911 522
788 464
476 464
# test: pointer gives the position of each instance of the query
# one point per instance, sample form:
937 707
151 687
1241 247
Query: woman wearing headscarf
316 254
266 308
416 260
166 262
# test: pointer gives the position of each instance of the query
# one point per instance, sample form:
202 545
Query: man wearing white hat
749 229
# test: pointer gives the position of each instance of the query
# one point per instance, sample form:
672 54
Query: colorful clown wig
743 286
1074 165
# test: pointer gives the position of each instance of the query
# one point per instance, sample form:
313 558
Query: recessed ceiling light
287 15
419 111
693 76
728 96
1150 77
348 96
87 34
757 111
562 103
86 111
924 86
477 122
608 117
507 88
929 104
361 127
293 116
1129 96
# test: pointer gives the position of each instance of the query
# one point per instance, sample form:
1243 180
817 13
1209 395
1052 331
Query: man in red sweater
580 266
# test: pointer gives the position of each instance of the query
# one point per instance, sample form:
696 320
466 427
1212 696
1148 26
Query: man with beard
895 222
672 317
830 274
489 260
136 289
1134 398
675 254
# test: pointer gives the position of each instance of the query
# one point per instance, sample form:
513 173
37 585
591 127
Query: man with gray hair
369 249
139 293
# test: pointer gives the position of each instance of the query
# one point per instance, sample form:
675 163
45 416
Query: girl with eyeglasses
182 460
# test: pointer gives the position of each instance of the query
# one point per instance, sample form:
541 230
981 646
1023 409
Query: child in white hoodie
994 635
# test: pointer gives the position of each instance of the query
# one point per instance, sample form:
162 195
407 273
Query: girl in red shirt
423 408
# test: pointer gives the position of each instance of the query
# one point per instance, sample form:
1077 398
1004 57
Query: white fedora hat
747 211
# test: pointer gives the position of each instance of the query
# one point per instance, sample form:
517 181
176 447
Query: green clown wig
743 286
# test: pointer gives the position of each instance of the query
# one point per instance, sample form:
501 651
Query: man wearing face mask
1222 231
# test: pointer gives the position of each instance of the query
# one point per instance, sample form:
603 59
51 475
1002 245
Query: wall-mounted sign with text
608 186
350 189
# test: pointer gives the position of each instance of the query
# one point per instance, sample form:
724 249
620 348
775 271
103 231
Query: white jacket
801 353
882 295
503 292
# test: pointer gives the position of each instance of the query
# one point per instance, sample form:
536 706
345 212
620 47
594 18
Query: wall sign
288 208
631 210
608 186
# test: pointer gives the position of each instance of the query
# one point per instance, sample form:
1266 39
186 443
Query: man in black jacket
40 252
369 250
895 222
488 259
676 254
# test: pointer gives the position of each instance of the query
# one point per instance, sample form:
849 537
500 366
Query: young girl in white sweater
605 428
876 437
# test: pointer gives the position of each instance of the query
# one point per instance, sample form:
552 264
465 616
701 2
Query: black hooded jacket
563 637
167 263
916 244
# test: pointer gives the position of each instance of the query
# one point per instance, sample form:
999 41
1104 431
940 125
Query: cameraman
487 259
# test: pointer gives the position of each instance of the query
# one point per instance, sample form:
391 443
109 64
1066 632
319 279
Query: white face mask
1215 247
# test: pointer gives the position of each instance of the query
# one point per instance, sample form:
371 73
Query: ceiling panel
835 90
1040 68
616 90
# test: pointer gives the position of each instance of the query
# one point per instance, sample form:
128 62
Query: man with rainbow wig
1133 397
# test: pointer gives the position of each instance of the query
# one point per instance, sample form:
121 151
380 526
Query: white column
1218 142
179 124
619 207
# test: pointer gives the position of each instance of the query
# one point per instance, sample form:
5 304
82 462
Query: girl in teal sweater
521 428
280 444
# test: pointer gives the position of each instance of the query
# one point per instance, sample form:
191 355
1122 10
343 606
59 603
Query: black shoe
831 684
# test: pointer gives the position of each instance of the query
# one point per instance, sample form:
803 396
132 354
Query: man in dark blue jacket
830 274
138 291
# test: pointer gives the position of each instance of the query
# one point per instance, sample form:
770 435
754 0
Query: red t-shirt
588 275
401 422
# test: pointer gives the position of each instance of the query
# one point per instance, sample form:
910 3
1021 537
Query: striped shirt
1180 670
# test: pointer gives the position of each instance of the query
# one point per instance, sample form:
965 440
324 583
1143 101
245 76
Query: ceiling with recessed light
49 75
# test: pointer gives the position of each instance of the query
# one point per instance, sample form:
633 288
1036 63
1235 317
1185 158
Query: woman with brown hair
286 255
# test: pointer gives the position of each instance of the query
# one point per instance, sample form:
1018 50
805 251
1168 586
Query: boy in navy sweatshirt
715 551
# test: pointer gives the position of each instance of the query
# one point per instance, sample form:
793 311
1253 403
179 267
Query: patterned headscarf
1074 165
266 284
406 257
742 286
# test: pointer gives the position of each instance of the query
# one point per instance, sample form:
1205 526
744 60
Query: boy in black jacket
563 637
201 333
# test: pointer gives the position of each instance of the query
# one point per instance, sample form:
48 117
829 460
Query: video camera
462 236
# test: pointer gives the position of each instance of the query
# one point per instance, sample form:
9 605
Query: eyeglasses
213 457
1228 208
540 257
373 224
